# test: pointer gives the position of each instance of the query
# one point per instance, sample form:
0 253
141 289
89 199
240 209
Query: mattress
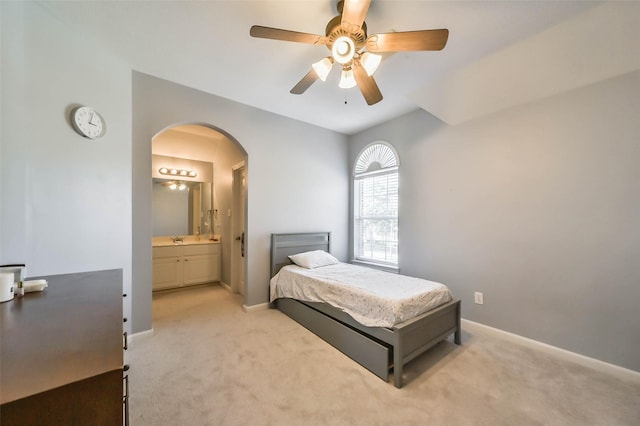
372 297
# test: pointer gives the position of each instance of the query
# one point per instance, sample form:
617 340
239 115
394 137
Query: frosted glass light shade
322 68
347 81
370 62
343 49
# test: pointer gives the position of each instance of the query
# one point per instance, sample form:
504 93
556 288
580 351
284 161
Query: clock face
88 122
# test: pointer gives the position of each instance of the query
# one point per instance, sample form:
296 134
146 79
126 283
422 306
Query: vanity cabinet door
201 263
167 267
198 269
167 272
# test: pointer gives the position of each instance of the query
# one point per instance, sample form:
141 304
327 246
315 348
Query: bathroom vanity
183 206
186 263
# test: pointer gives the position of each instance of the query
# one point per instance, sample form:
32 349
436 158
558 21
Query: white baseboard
596 364
225 285
253 308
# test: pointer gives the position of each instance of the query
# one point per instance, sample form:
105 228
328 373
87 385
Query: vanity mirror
182 196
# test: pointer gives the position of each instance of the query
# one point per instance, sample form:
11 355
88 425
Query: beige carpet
210 363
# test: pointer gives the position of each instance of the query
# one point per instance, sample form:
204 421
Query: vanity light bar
176 172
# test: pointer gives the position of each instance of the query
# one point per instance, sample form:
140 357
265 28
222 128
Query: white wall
538 208
65 200
297 177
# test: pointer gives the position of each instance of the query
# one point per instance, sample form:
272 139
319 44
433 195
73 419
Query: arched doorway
225 218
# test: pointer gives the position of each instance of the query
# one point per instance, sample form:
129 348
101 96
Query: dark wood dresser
62 353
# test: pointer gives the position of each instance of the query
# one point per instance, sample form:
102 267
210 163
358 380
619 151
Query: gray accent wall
537 207
298 178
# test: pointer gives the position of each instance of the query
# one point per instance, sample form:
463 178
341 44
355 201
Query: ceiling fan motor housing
335 30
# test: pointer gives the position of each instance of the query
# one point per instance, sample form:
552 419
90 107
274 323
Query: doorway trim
238 214
215 225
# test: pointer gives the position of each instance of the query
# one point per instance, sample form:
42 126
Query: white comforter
373 298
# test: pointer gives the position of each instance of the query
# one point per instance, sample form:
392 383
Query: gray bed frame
378 349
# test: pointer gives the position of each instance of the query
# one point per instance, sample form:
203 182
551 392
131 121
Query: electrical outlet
478 298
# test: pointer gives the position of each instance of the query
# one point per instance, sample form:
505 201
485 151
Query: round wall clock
88 122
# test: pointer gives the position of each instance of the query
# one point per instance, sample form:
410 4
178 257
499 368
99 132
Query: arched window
376 205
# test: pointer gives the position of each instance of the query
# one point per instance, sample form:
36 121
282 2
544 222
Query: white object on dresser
6 286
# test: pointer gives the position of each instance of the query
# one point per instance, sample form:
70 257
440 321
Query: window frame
392 167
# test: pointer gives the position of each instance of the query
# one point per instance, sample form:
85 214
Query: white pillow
313 259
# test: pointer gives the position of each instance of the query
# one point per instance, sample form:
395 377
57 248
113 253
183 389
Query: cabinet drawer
197 249
168 251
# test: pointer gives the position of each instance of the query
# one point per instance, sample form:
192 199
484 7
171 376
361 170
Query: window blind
376 216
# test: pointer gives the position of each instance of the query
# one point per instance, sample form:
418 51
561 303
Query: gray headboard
284 245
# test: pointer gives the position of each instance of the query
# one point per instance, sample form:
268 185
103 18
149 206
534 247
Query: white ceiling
206 45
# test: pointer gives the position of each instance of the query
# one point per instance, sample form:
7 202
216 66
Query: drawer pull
126 341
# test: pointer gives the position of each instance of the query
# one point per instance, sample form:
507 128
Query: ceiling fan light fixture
346 38
343 49
347 80
370 62
322 68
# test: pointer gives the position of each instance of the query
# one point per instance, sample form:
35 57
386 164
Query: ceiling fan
354 51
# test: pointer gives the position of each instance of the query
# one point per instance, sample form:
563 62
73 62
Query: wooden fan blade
408 40
353 13
305 83
367 84
286 35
